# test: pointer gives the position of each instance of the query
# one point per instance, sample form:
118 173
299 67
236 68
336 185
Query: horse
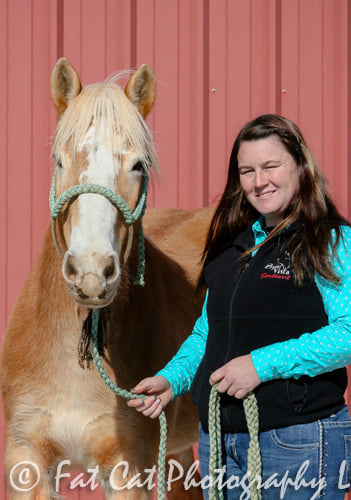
59 414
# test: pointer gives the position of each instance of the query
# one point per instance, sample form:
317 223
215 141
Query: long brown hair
312 207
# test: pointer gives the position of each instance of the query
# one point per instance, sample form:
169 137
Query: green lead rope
214 429
254 463
130 395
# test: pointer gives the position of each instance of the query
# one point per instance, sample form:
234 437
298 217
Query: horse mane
106 105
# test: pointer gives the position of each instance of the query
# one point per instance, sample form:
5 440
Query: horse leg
182 477
123 474
31 495
135 494
131 487
27 481
28 478
183 481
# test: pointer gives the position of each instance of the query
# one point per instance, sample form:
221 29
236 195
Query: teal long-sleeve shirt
310 354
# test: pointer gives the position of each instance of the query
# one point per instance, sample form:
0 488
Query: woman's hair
312 207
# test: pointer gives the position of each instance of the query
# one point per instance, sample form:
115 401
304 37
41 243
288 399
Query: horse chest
74 431
80 408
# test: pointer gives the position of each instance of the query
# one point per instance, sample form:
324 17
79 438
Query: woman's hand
161 394
237 377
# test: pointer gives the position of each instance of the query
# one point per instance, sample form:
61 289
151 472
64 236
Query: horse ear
65 84
141 89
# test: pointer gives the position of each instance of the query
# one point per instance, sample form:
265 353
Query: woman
276 319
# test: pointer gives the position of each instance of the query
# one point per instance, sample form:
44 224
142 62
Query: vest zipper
231 309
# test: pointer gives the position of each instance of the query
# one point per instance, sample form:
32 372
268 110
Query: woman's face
268 176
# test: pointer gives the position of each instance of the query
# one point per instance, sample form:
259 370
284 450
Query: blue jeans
307 461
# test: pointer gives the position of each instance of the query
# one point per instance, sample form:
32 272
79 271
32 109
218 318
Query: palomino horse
60 416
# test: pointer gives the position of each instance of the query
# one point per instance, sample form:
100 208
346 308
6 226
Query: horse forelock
117 123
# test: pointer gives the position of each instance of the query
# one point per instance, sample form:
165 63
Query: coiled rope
254 463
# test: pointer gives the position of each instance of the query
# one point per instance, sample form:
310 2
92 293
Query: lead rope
130 395
254 463
130 217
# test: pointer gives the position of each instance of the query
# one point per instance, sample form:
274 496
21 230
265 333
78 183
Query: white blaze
97 216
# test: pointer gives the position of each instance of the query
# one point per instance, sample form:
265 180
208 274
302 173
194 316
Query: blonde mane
107 106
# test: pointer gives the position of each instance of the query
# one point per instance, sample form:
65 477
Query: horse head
103 144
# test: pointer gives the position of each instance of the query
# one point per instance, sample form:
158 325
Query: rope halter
129 217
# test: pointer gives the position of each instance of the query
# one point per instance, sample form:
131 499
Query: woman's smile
265 195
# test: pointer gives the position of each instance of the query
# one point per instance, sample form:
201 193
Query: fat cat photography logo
25 476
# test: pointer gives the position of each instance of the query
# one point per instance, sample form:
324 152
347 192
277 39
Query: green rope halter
129 217
254 464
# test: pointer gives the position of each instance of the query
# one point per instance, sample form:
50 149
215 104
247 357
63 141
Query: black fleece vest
255 306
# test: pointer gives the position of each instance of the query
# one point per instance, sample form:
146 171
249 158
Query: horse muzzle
92 281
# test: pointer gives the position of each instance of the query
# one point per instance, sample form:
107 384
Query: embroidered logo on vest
279 270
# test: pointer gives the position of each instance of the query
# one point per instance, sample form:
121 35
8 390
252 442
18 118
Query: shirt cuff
267 364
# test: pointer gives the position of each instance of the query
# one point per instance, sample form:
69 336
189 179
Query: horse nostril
70 270
110 269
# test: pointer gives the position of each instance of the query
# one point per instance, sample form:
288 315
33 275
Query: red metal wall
218 63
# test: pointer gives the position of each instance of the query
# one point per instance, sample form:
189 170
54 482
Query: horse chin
93 302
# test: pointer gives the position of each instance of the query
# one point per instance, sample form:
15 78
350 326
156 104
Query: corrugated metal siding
217 63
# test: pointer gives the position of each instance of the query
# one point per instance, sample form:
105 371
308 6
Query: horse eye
59 164
138 167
